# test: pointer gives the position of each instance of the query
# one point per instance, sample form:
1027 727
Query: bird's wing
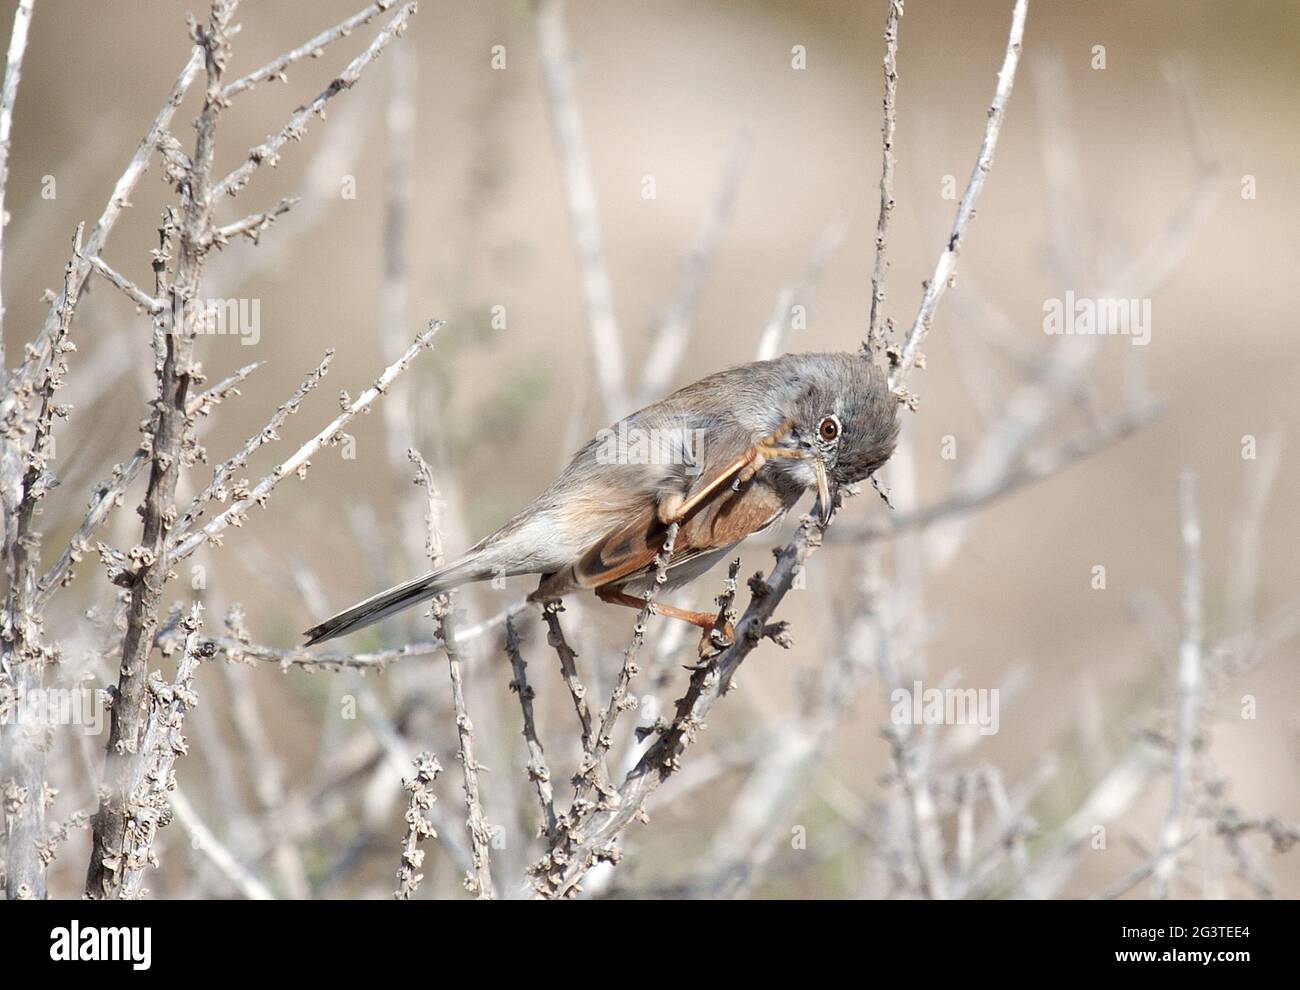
721 518
597 521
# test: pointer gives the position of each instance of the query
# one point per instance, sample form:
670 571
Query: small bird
724 458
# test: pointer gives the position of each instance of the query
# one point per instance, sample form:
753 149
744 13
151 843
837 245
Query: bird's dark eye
829 428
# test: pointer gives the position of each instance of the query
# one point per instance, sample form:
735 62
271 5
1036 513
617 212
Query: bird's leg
674 508
705 620
765 449
776 434
760 457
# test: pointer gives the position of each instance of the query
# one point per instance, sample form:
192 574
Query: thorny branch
418 828
298 463
877 334
161 743
116 828
8 96
146 713
563 868
124 826
538 772
24 655
479 880
313 48
268 152
903 362
108 493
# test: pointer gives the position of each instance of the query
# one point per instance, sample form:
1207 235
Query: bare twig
418 828
13 73
1282 836
161 742
538 772
171 439
269 150
300 460
569 672
214 850
924 829
237 650
947 264
876 335
432 509
1135 876
580 196
317 195
313 48
108 493
264 769
1183 770
132 291
479 880
1037 465
59 833
118 201
220 487
23 655
251 226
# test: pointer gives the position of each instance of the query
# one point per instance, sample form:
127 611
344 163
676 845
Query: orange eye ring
829 429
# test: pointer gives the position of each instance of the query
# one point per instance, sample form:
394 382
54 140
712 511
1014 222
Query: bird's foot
717 638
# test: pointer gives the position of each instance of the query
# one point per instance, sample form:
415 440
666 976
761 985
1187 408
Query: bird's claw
717 638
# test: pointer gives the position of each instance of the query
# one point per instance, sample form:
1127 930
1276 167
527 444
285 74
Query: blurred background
1187 138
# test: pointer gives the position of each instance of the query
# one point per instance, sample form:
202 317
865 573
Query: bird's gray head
844 420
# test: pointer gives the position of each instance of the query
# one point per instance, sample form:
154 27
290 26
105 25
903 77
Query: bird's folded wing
717 517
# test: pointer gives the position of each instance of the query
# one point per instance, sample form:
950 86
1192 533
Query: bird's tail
393 600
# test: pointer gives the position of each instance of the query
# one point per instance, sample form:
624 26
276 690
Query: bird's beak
823 490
